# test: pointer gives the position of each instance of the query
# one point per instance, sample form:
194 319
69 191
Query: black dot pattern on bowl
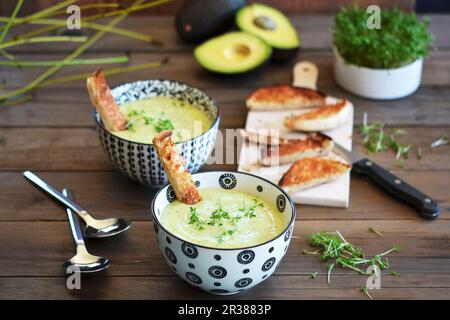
170 194
192 277
245 271
259 188
287 235
170 255
217 257
246 256
189 250
168 240
268 264
271 249
155 226
217 284
191 265
281 202
217 272
227 181
244 282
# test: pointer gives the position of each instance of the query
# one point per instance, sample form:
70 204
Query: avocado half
232 53
272 26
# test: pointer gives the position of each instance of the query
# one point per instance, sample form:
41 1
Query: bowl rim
213 124
291 221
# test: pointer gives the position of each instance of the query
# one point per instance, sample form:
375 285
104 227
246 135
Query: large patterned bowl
225 271
139 161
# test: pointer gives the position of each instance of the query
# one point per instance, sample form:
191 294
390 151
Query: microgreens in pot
401 39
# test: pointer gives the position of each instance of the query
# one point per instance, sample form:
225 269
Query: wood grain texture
22 202
427 107
54 134
78 149
290 6
314 31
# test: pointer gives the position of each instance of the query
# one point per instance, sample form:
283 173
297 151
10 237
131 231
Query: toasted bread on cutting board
309 172
284 97
324 118
291 150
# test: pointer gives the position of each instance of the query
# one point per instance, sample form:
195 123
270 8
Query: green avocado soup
147 117
224 219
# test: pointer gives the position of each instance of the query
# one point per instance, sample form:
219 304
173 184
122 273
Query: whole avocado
199 20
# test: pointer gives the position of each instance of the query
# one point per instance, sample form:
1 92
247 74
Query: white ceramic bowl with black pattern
139 161
225 271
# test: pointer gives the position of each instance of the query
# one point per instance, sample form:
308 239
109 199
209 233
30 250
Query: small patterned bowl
139 161
225 271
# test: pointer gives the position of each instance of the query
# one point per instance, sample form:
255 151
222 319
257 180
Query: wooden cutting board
335 194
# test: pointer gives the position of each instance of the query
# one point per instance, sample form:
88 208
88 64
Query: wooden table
54 135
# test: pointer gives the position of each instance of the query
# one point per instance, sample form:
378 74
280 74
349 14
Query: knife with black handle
425 205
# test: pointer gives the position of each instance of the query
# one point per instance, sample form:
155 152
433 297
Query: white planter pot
382 84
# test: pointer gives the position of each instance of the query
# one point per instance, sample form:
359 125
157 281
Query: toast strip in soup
289 151
323 118
104 102
309 172
173 164
284 97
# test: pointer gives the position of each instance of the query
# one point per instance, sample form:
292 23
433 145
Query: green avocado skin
199 20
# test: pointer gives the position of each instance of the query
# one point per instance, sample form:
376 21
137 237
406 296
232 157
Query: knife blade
426 206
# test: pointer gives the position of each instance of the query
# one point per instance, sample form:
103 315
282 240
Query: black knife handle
427 207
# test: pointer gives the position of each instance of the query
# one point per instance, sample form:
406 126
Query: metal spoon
95 228
83 260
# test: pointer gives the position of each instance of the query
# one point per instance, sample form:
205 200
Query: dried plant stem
41 13
57 23
7 27
11 20
107 72
18 42
51 71
100 16
49 63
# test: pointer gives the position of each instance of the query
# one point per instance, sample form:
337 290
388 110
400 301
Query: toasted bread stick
173 164
104 102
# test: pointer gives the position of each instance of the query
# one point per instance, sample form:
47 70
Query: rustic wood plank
427 107
22 202
183 67
291 6
276 287
39 249
78 149
314 31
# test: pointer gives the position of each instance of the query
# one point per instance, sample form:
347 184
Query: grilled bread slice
104 102
321 119
308 172
284 97
173 164
289 151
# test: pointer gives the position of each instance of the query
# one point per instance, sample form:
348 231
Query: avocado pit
237 52
265 23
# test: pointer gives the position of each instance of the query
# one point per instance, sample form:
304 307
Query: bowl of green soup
150 107
230 241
